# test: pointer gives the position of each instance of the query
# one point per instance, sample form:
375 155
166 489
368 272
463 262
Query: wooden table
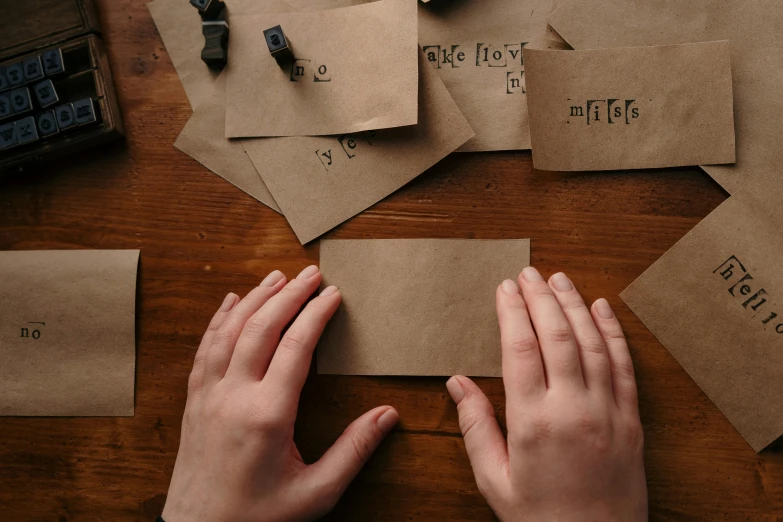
200 237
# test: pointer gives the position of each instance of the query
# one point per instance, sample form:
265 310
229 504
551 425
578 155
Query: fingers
592 349
555 337
523 370
484 441
196 380
219 352
623 380
261 333
291 362
329 477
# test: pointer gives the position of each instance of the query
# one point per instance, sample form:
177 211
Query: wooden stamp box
56 90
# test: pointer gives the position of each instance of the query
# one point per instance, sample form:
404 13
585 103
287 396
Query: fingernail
308 272
228 302
455 390
510 287
329 290
387 421
531 274
561 282
603 308
272 279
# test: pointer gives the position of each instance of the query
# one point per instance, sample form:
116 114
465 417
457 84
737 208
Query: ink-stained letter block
20 100
26 131
47 123
33 70
278 45
84 111
45 93
65 116
15 74
7 136
53 62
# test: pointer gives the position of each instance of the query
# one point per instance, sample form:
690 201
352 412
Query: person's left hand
237 459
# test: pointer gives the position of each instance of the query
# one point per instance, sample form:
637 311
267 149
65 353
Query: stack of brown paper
416 306
461 40
68 326
356 69
320 182
630 107
715 301
753 28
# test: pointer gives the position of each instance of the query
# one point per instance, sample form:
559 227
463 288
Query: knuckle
615 334
536 429
523 345
259 327
214 325
558 334
541 289
268 422
226 334
361 443
292 342
624 372
593 345
572 303
474 416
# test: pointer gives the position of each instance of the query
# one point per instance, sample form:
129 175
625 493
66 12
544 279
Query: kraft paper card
180 28
320 182
355 70
68 322
416 306
715 301
630 107
476 47
754 29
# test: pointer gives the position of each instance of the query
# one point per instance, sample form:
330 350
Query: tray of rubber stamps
56 90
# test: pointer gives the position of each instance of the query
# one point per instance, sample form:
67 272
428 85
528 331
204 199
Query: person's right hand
575 443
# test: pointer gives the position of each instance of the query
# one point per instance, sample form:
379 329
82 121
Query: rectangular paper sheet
416 306
204 140
320 182
355 70
715 301
68 325
754 29
630 107
476 47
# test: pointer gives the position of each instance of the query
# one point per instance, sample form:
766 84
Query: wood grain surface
200 237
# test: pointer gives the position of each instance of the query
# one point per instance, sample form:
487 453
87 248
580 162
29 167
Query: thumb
329 477
484 441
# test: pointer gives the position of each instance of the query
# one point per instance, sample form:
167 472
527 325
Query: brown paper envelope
489 91
715 301
630 107
358 72
68 323
180 28
753 28
416 306
320 181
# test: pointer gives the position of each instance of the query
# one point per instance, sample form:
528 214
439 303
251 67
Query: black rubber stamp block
278 45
